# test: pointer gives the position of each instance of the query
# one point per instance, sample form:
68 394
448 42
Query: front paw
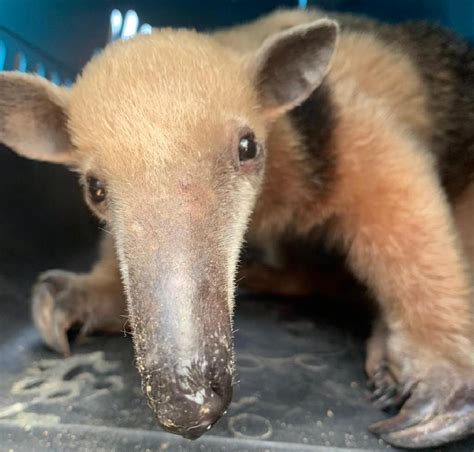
438 408
58 305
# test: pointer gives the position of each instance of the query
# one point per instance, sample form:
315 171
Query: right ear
291 64
33 118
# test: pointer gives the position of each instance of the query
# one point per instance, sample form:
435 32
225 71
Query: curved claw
388 399
61 327
431 417
55 310
399 422
386 392
48 321
379 391
438 430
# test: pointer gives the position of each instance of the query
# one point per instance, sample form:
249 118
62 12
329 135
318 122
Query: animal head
168 132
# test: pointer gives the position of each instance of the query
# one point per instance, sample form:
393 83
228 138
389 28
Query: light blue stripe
21 62
3 55
40 69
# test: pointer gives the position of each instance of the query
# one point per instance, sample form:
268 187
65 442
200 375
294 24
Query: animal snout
185 403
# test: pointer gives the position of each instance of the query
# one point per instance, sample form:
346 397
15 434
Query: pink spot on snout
184 185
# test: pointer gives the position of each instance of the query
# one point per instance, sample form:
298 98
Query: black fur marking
445 63
314 121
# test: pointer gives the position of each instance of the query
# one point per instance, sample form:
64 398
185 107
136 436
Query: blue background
70 30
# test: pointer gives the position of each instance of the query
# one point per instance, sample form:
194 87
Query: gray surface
300 385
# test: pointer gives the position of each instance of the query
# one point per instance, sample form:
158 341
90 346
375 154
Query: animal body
288 128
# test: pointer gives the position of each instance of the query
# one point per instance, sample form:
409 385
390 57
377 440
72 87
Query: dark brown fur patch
445 62
314 122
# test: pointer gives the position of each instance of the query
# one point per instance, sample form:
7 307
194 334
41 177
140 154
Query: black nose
186 404
210 412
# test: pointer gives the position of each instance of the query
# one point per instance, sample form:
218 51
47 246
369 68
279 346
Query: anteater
280 129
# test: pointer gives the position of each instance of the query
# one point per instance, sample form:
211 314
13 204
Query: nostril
210 412
217 388
189 406
223 387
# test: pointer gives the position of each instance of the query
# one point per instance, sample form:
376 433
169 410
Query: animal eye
96 190
248 148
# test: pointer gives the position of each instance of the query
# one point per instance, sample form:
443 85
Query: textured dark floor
300 362
301 387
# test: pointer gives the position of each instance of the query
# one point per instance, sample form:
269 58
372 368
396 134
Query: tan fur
383 75
169 56
35 105
159 117
382 103
248 37
376 347
396 223
380 70
388 188
464 219
373 189
94 300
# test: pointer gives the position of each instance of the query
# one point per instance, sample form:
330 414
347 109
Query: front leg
93 301
396 226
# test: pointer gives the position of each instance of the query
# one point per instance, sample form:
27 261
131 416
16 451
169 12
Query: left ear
33 118
290 65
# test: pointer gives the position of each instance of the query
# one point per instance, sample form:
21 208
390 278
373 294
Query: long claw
438 430
44 315
388 399
400 421
55 310
432 415
379 391
61 327
63 301
386 392
374 381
